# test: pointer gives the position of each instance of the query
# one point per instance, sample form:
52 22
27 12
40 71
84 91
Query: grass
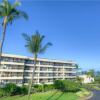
96 87
50 95
83 93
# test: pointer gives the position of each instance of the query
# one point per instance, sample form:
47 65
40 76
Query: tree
34 44
91 73
8 13
77 66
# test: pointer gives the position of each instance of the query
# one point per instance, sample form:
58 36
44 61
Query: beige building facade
18 69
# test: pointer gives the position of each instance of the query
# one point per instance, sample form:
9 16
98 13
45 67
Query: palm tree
8 13
34 44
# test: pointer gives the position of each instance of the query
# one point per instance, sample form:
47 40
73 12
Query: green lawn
51 95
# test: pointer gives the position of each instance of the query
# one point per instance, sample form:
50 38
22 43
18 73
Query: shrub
70 86
10 89
17 91
38 88
20 90
97 79
13 89
48 87
58 84
42 88
2 92
67 85
24 90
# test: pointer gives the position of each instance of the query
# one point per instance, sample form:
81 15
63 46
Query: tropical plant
34 44
8 13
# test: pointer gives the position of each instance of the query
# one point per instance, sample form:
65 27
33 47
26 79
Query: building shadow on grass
54 95
51 96
59 96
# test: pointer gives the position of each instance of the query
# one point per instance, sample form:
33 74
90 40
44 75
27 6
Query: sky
73 27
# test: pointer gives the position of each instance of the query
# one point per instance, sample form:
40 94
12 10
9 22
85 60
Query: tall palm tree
34 44
8 13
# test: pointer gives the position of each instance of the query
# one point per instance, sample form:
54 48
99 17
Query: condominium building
18 69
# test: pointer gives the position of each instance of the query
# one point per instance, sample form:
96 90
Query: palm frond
34 43
17 3
11 11
22 14
43 49
26 37
29 44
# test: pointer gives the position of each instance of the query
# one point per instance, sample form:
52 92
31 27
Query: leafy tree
34 44
8 13
91 73
77 66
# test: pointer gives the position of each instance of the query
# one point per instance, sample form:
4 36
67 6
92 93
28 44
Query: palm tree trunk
33 73
3 37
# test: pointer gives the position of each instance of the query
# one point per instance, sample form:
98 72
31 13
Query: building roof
40 59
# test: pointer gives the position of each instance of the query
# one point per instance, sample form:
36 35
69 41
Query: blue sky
73 28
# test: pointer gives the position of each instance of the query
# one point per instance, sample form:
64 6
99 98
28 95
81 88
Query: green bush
20 90
67 85
97 79
13 89
38 88
42 88
48 87
2 92
24 90
17 91
58 84
70 86
10 89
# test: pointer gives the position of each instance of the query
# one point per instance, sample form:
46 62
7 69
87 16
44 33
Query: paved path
96 95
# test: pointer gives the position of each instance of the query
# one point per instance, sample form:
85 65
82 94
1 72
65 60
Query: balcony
10 70
12 63
14 77
9 59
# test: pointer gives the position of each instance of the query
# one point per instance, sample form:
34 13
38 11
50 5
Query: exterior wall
18 69
87 79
